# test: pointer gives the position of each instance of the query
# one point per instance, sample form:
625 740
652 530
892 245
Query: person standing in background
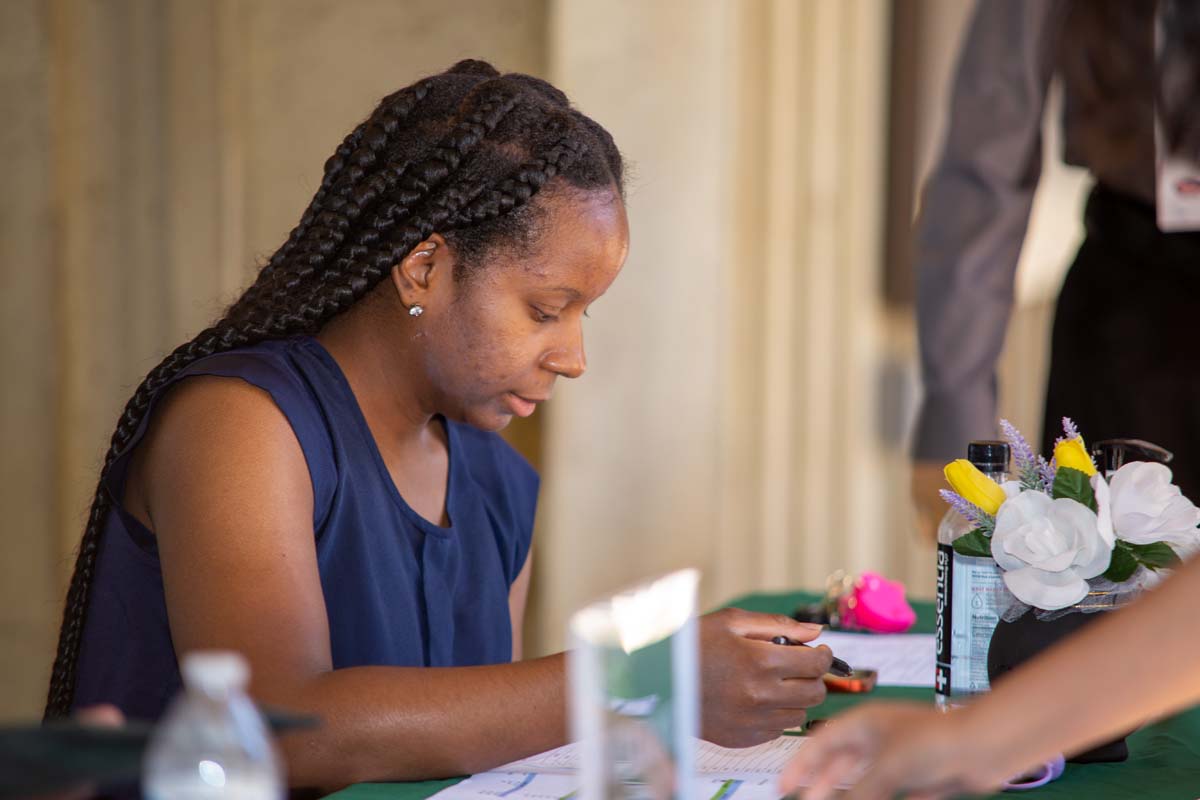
1121 361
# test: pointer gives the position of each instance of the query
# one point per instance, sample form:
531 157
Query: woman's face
496 342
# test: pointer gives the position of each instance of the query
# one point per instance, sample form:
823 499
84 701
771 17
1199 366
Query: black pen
838 667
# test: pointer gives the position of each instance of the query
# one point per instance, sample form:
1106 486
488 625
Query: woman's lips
521 406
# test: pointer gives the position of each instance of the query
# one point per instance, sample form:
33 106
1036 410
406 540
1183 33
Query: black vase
1015 642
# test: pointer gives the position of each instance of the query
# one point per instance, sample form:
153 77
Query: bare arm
1155 671
1136 664
227 492
518 593
230 501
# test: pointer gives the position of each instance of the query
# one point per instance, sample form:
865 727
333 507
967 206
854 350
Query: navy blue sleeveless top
399 590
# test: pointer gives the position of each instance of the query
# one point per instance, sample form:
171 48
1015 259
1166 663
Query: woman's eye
541 316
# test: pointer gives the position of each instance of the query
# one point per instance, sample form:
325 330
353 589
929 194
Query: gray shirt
977 201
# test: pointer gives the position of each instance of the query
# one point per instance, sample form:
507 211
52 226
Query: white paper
750 773
711 759
515 785
901 659
544 786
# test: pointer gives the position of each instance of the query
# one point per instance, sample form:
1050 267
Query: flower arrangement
1060 531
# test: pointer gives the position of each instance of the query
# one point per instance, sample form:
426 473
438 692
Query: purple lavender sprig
1070 431
973 513
1047 470
1023 456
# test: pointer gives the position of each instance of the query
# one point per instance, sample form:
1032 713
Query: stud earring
416 310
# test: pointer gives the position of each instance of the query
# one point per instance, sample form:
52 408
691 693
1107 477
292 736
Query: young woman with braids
314 480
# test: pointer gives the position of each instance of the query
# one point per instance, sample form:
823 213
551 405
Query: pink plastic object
876 604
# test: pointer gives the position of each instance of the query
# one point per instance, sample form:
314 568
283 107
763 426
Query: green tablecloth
1164 758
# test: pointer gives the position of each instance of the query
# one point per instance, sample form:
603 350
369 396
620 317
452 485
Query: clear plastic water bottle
969 596
212 742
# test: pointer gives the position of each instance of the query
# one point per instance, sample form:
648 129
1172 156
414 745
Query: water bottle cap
215 670
988 455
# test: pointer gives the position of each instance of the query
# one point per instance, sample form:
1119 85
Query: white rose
1048 549
1147 507
1012 488
1103 510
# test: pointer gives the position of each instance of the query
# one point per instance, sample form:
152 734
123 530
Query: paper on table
766 758
515 785
901 659
749 773
544 786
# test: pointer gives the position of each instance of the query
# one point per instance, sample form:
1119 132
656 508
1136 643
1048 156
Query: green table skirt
1164 758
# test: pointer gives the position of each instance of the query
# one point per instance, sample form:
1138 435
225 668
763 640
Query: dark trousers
1125 352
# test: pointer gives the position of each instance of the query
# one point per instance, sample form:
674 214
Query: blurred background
753 373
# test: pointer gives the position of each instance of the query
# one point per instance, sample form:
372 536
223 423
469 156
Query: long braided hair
462 154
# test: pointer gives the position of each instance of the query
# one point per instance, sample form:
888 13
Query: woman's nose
568 359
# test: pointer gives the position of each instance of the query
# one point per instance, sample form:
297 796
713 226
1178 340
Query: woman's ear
414 276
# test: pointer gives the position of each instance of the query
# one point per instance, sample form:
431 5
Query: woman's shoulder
272 377
273 362
207 411
284 369
270 401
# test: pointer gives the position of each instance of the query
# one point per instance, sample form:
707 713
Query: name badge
1178 189
1177 184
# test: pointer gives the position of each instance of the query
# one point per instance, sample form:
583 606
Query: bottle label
942 625
976 589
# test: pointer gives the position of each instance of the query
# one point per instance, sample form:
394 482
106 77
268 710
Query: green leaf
1122 565
1073 485
1156 556
973 544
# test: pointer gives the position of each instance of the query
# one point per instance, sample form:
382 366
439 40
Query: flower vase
1015 642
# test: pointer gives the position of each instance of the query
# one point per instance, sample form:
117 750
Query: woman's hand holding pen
752 689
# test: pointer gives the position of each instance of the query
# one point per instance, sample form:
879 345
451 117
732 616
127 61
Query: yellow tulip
1071 453
973 486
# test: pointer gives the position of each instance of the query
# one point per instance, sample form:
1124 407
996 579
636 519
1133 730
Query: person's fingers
755 689
836 769
766 627
800 661
874 784
792 693
899 769
928 508
930 795
818 751
777 720
105 714
660 777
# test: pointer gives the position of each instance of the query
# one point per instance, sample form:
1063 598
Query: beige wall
749 392
728 417
29 580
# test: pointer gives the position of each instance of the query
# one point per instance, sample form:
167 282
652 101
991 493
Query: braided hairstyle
462 154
